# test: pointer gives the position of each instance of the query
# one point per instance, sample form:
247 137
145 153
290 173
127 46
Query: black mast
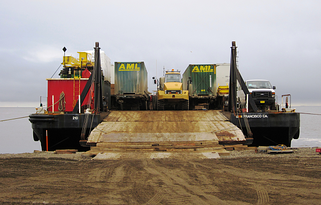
235 75
232 85
97 81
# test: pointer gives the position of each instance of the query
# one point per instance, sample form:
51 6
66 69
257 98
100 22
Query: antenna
64 50
156 69
156 77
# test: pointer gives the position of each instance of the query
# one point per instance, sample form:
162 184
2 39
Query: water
310 129
16 135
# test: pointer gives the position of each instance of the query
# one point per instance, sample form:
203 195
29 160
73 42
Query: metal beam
235 76
232 85
246 90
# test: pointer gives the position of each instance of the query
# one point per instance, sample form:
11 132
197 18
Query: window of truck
172 78
259 85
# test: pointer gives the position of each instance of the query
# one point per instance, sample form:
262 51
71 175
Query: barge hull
269 128
63 130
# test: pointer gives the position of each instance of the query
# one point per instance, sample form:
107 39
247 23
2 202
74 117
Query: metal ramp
170 133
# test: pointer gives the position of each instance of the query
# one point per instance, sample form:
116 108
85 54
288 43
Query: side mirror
274 87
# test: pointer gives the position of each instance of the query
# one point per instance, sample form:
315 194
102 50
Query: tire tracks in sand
262 193
178 187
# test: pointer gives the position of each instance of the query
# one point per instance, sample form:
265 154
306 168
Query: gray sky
277 40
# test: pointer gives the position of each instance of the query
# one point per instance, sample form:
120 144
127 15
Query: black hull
64 130
269 128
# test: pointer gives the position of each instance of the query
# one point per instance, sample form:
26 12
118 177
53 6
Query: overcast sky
277 40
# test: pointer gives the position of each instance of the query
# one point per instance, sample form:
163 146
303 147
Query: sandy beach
243 177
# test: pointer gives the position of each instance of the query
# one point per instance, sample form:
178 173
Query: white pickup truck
262 92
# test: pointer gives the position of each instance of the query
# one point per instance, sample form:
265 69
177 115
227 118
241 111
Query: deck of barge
170 132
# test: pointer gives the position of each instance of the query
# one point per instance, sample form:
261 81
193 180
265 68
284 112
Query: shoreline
247 153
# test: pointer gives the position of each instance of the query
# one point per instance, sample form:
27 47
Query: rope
309 113
60 99
16 118
62 102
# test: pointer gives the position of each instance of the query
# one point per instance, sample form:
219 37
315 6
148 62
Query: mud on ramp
169 131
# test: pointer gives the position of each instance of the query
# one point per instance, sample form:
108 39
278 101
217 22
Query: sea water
310 127
16 135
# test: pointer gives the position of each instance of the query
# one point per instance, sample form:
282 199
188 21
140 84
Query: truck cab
261 91
170 93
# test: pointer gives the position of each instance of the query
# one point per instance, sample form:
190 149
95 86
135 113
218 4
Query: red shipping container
72 88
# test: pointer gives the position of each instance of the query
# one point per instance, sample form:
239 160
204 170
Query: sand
243 177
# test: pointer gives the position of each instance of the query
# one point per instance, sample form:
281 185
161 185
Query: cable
16 118
56 71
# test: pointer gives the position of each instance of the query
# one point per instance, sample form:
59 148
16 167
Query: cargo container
222 83
200 81
105 62
222 74
131 91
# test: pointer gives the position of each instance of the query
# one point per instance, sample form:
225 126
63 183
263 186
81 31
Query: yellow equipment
170 93
73 67
83 61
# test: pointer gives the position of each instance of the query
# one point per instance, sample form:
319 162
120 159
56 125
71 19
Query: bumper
162 96
264 101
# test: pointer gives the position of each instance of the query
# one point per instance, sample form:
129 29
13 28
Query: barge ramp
163 134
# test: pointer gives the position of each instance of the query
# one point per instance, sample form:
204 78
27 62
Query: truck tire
160 105
185 105
154 102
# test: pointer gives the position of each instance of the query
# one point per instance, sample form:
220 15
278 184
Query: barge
80 100
265 126
77 102
266 129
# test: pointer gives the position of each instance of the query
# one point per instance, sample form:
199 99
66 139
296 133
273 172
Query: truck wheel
154 102
185 105
160 105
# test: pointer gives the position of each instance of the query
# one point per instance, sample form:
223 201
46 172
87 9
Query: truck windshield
259 84
172 78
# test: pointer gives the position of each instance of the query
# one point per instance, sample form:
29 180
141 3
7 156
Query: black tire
154 102
185 105
160 105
